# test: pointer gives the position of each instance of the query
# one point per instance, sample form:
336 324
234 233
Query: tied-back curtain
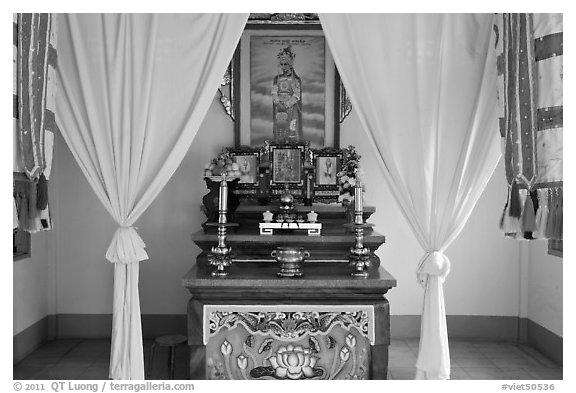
423 87
134 91
530 96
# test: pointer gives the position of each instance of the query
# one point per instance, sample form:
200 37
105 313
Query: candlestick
358 209
358 196
223 200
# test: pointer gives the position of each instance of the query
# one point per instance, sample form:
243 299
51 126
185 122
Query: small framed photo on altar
287 165
245 162
327 168
248 167
327 164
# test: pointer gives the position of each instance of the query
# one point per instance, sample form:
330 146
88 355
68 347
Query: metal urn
290 259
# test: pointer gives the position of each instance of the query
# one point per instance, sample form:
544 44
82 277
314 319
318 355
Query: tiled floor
470 359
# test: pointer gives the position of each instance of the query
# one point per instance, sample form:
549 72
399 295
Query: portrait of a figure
326 168
287 90
247 165
287 100
286 166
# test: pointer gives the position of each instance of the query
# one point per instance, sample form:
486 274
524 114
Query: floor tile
545 373
472 361
458 373
100 373
64 373
402 373
514 360
515 373
483 372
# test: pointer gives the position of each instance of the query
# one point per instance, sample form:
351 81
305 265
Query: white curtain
134 91
424 88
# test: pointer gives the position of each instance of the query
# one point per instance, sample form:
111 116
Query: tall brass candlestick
358 208
220 256
223 200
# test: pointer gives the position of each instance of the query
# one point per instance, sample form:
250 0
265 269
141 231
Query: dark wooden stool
166 341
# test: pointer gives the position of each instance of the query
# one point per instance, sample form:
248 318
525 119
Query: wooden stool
166 341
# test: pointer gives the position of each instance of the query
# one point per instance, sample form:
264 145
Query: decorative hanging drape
35 63
530 71
423 87
134 91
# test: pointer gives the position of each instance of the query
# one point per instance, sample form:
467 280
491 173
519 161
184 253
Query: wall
545 287
33 283
483 281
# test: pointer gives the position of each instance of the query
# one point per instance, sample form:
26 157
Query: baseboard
460 326
546 342
100 325
83 325
29 339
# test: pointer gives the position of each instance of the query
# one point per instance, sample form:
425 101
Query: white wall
33 283
33 278
483 281
545 287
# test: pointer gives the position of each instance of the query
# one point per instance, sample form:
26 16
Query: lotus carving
293 362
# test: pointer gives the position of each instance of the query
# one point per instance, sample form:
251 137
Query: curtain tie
126 246
433 263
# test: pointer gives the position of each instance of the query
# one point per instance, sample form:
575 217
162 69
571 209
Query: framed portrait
247 160
287 165
248 167
327 164
327 168
288 87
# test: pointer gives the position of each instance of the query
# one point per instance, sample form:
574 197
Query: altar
288 285
254 324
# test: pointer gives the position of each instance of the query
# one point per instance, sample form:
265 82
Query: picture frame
287 165
248 160
256 67
327 164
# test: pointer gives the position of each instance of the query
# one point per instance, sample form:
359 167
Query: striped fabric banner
36 83
34 89
530 72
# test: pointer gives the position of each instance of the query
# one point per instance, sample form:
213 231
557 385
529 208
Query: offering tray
313 228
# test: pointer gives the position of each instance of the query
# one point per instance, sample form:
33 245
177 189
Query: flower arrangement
223 163
348 175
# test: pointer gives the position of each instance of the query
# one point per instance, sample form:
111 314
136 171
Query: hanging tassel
504 215
508 224
558 230
515 201
506 221
528 218
14 214
551 214
42 190
33 225
541 214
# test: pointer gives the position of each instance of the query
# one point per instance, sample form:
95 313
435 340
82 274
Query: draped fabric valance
530 70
